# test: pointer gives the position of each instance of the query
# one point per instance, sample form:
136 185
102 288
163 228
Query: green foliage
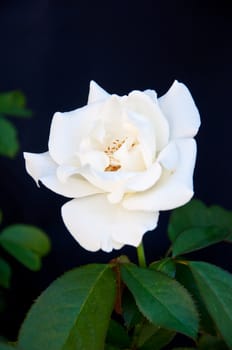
166 266
209 342
28 244
152 337
13 103
185 348
5 346
198 238
73 313
193 214
117 335
131 314
111 347
222 217
158 298
193 227
169 296
196 226
185 277
8 138
5 273
215 286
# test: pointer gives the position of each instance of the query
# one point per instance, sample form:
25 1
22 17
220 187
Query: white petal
97 224
152 94
146 136
63 172
39 165
106 180
68 129
96 159
144 179
143 105
116 195
112 114
73 187
173 189
180 110
42 167
96 93
116 183
169 156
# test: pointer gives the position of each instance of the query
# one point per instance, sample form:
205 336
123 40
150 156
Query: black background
52 49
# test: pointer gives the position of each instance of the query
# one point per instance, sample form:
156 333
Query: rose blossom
122 159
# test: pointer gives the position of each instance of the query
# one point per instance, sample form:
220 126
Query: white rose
122 159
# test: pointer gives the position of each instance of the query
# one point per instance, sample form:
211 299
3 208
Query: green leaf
158 298
73 312
26 257
5 346
185 348
222 217
185 277
193 214
131 313
13 103
111 347
196 226
117 335
198 238
5 273
207 342
215 286
26 243
196 215
9 145
28 236
152 337
166 266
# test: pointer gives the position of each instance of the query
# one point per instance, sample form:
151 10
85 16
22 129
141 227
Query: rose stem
141 255
168 252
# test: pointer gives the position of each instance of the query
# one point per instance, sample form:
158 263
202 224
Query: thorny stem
141 255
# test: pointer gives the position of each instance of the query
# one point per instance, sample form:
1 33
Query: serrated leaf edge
57 279
187 292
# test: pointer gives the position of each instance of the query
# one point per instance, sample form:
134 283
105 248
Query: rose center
114 164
